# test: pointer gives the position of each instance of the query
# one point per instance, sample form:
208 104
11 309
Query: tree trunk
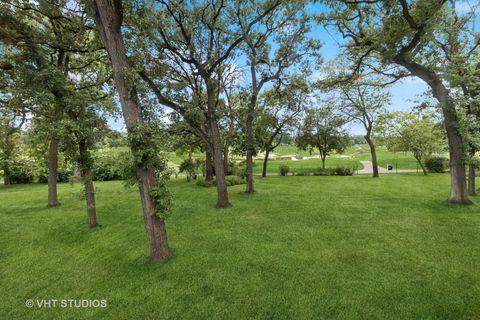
208 166
424 170
471 174
457 156
250 147
373 154
108 18
265 161
225 159
53 173
87 176
322 157
222 193
6 175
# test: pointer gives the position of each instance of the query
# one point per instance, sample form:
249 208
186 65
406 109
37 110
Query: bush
233 181
284 170
21 172
205 183
190 167
64 173
111 165
230 181
238 169
338 171
436 164
343 171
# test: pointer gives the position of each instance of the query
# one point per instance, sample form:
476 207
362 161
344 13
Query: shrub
111 165
324 172
230 181
190 167
343 171
436 164
233 180
284 170
205 183
64 173
338 171
237 168
21 172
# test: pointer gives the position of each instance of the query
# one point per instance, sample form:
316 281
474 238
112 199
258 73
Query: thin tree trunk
250 148
322 157
53 173
222 193
208 166
471 174
424 170
373 154
265 161
225 159
87 176
108 18
6 175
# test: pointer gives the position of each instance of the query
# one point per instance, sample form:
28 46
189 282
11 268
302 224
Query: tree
323 129
363 103
285 29
108 17
397 39
11 121
48 45
279 111
417 134
183 51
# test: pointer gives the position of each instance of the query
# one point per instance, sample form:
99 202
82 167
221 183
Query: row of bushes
338 171
230 180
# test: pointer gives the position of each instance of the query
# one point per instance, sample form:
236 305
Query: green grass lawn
299 165
299 248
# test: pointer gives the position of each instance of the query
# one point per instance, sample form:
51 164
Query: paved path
368 169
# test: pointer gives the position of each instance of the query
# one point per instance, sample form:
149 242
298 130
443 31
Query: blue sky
404 93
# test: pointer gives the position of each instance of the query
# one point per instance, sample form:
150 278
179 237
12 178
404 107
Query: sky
404 93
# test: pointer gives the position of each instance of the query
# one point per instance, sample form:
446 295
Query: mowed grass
308 164
299 248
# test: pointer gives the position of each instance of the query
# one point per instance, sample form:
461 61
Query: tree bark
249 141
6 175
87 176
222 193
208 166
53 173
108 18
225 159
471 174
373 154
458 193
265 161
323 156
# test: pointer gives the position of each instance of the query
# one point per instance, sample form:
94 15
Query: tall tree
323 129
183 45
108 17
363 103
387 35
272 48
279 111
49 39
